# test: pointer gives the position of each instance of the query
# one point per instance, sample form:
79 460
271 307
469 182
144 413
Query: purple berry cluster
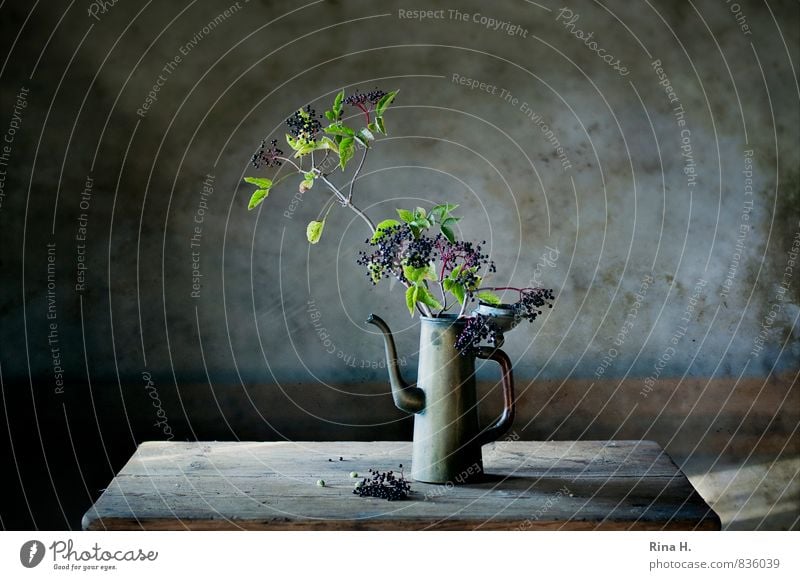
398 246
465 254
384 260
267 156
360 100
304 125
385 485
423 262
531 301
478 329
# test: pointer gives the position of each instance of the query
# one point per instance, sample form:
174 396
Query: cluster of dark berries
267 156
358 99
383 260
397 245
385 485
531 301
478 329
466 254
419 252
304 125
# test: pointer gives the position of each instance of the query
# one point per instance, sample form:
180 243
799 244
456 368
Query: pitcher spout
407 398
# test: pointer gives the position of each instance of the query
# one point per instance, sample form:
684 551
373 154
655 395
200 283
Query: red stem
366 111
444 267
501 288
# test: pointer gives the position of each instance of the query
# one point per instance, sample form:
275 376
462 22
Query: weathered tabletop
549 485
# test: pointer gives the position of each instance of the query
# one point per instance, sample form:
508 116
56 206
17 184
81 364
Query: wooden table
553 485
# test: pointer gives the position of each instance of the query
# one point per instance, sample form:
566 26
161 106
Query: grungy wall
641 159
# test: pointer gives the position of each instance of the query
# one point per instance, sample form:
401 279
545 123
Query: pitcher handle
503 424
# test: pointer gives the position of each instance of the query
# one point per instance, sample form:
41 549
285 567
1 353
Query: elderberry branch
347 203
334 189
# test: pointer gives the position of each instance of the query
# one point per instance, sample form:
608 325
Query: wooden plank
579 459
530 485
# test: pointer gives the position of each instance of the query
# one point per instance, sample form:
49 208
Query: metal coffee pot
447 436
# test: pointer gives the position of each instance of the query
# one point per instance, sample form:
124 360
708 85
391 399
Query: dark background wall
704 214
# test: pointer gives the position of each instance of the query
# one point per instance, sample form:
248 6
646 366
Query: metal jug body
447 436
445 446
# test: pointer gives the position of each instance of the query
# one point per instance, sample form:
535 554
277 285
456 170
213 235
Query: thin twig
287 160
346 203
355 175
332 187
463 306
444 296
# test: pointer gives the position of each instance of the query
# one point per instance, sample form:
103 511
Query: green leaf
326 143
306 149
258 196
380 230
314 231
306 184
411 298
383 103
448 233
330 115
367 134
380 125
423 222
406 215
489 297
309 175
293 143
413 274
372 127
363 141
431 273
337 103
417 275
441 214
427 298
339 129
420 213
346 151
260 182
446 207
458 291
